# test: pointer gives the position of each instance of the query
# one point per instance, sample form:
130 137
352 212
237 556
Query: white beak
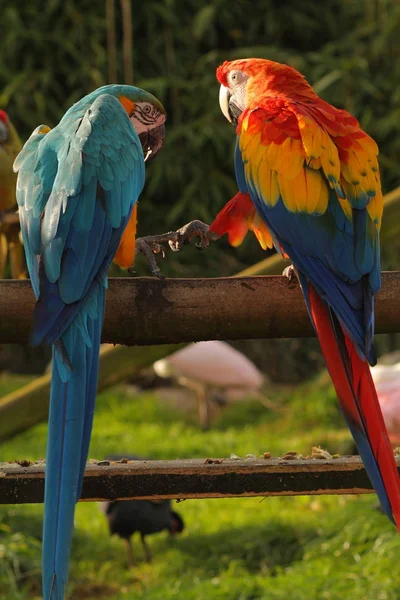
224 95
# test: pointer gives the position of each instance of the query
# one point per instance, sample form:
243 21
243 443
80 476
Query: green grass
302 548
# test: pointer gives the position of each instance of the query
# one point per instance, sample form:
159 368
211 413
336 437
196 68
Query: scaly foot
189 231
152 244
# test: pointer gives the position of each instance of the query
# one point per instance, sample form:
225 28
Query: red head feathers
4 117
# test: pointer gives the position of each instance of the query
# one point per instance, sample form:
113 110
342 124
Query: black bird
125 517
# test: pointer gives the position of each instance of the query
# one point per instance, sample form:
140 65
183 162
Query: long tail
359 403
72 402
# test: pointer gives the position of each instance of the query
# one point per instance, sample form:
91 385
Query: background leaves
55 51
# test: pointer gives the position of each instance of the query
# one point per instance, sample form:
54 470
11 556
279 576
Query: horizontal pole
148 311
195 478
272 265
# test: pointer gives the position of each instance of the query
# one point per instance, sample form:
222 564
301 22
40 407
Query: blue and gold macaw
77 188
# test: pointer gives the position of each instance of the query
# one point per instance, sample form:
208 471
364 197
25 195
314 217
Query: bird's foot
146 549
152 245
129 552
291 274
185 234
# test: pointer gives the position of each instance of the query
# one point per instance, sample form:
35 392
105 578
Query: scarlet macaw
313 177
10 243
77 188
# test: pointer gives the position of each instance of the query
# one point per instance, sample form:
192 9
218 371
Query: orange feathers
293 142
125 255
238 217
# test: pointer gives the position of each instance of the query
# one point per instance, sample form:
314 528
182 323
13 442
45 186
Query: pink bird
211 366
387 382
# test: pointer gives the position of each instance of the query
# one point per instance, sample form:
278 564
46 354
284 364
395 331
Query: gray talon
152 244
291 273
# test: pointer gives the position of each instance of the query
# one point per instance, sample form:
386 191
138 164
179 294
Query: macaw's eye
147 109
234 77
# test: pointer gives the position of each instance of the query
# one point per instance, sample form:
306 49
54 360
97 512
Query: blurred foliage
55 51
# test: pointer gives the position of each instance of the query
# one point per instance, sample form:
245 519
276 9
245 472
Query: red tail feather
355 388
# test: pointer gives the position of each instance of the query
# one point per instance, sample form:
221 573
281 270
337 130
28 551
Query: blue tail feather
95 329
70 424
369 460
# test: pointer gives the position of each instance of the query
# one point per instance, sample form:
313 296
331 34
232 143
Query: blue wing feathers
69 258
239 169
336 254
47 329
364 254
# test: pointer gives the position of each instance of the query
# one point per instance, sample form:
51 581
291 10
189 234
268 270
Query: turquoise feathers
77 186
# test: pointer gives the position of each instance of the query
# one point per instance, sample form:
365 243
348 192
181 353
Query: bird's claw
149 246
185 234
291 274
152 244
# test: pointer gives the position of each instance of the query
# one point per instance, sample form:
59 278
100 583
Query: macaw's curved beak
224 96
152 141
229 108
